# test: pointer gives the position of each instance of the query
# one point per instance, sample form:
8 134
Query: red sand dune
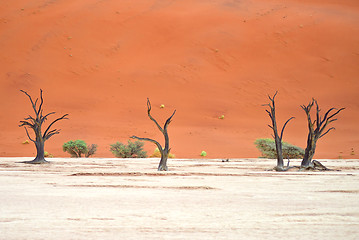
100 60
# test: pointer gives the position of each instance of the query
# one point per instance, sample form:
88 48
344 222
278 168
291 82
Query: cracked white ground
197 199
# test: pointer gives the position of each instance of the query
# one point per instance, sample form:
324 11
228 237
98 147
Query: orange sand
100 60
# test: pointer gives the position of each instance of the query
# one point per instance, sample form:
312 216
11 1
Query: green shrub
268 150
78 147
131 150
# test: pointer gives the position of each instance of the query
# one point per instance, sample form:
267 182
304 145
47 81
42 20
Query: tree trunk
309 152
316 130
163 162
164 152
35 123
40 156
278 144
277 138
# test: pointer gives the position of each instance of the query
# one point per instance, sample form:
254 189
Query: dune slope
100 60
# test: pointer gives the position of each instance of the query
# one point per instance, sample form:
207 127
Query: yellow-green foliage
48 155
203 153
25 142
131 150
157 154
268 149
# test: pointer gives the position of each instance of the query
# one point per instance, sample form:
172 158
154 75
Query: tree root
313 166
162 168
36 161
283 169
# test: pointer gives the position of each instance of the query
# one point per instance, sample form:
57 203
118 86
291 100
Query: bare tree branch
275 135
32 102
285 124
30 118
269 113
25 123
44 118
318 121
35 123
327 113
149 115
149 140
42 101
164 151
28 135
332 128
169 120
51 133
317 132
272 98
58 119
338 111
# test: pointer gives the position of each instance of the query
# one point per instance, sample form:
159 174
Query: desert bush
48 155
92 148
268 150
78 147
157 154
131 150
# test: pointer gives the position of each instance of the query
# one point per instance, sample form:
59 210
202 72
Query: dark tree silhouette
316 130
164 151
277 138
35 123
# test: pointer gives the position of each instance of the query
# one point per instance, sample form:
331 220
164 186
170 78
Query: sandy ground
100 60
197 199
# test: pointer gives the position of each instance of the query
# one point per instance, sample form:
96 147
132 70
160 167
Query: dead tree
164 151
35 123
277 138
316 130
